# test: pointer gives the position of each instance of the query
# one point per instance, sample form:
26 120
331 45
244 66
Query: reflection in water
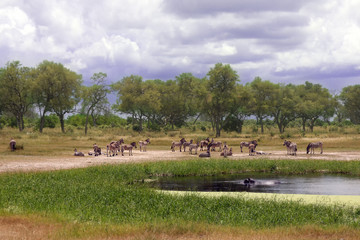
308 184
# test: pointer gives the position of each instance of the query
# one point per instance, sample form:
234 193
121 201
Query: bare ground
19 163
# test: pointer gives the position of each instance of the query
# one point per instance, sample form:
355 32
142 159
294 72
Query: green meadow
119 195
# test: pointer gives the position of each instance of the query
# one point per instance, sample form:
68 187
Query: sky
282 41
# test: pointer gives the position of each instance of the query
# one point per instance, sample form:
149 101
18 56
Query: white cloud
16 30
222 49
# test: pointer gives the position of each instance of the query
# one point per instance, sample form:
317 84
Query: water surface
266 183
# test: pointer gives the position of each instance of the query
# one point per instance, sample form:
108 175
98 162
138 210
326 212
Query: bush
50 122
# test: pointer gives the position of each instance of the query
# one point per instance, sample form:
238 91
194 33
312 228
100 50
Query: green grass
116 195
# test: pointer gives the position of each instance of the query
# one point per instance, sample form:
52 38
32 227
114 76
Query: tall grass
116 194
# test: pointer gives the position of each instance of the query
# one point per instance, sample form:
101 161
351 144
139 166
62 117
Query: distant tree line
52 92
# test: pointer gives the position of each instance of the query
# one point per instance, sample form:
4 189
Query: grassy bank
117 195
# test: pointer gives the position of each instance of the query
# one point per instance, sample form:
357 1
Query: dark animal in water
207 154
249 181
177 144
246 144
79 154
311 146
128 147
12 145
291 147
143 144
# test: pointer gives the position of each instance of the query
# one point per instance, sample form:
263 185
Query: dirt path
20 163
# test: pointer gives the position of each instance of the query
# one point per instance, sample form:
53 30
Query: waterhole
265 183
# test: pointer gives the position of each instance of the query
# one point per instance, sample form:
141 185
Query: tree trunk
86 123
42 123
22 122
140 124
303 123
281 129
262 125
312 123
61 117
217 127
19 124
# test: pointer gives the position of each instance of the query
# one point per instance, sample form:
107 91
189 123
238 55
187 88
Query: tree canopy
50 90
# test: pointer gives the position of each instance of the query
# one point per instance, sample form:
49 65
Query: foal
193 146
128 147
291 147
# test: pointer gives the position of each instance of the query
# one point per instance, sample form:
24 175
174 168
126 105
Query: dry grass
35 227
54 143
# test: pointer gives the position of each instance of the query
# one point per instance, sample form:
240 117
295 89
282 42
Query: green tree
151 102
15 95
94 96
65 92
139 99
261 102
315 102
351 99
46 75
179 99
240 111
221 96
284 99
340 110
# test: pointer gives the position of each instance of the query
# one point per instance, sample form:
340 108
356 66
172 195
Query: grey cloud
333 77
190 8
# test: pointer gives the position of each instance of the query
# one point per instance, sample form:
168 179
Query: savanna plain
47 193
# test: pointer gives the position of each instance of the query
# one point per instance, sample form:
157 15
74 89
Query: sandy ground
21 163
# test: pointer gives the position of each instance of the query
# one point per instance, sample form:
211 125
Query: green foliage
15 94
76 120
221 94
8 121
50 121
351 97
